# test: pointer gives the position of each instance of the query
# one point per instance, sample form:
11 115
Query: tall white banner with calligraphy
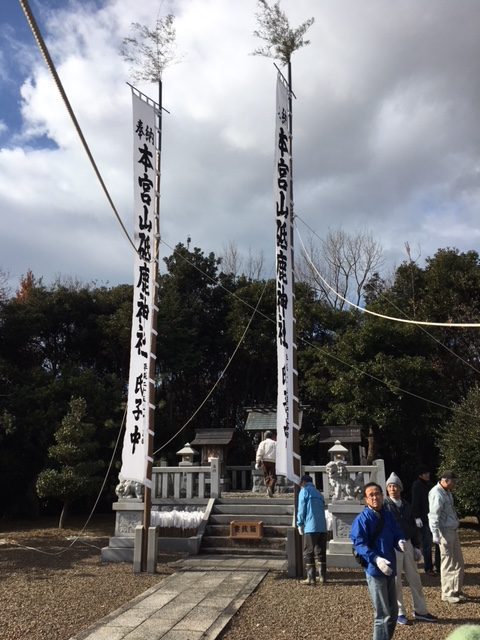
135 444
288 460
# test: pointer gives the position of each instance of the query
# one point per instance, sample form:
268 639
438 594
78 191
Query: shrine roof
213 436
346 434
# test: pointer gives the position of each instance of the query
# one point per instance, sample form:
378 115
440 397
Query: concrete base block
180 545
116 541
342 561
119 554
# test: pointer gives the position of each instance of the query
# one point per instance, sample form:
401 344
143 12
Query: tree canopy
216 355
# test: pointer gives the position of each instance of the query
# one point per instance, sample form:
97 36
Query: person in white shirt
266 459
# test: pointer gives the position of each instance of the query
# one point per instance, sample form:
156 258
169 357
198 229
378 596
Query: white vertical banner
286 427
145 139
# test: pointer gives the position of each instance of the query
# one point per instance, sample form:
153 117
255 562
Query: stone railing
240 477
187 482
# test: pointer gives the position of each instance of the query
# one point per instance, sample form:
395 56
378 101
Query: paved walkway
195 602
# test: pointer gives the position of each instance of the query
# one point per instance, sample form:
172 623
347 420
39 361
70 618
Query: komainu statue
342 486
127 489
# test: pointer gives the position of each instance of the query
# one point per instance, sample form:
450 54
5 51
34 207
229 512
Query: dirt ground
50 590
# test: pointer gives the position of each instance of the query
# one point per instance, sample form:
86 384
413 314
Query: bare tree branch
346 262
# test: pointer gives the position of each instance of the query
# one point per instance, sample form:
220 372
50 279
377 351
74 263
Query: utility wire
46 55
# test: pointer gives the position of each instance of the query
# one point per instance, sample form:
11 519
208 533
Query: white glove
258 465
436 539
401 545
418 522
384 566
300 530
417 554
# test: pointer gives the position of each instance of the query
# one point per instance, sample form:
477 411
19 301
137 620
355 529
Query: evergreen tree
459 446
74 453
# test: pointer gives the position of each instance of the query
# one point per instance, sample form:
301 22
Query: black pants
315 547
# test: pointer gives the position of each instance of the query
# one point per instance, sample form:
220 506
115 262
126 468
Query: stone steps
276 514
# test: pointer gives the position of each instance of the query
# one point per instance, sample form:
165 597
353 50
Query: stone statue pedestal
339 550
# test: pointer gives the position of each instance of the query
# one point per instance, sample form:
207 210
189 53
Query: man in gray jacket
443 522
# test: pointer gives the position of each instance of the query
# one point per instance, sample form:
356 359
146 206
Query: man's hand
401 545
258 465
436 538
300 530
418 522
384 565
417 554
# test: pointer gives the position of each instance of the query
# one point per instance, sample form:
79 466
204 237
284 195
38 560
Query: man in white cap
407 561
443 521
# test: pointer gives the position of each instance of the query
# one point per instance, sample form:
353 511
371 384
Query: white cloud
385 131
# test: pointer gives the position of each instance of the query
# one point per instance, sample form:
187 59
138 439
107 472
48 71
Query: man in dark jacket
407 561
420 488
375 536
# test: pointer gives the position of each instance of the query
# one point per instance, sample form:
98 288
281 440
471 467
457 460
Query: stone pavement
195 602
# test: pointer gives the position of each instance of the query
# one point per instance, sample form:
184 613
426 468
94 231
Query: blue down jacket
362 536
311 510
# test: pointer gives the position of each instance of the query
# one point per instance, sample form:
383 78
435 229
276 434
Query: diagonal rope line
46 55
220 377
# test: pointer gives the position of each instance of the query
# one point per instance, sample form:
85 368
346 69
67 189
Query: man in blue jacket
312 526
375 536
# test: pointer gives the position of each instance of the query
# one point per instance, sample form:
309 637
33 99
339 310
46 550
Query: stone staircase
276 514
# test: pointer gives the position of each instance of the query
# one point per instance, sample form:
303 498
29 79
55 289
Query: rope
390 387
77 537
456 325
46 55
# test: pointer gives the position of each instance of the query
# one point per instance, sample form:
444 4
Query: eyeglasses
374 495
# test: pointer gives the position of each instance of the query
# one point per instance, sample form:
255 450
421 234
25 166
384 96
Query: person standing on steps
312 525
265 459
407 561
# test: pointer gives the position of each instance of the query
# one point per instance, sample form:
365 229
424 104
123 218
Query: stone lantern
186 454
338 451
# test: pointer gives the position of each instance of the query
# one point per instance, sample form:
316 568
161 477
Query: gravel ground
341 609
52 597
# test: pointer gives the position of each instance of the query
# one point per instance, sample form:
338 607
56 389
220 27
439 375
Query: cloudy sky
386 130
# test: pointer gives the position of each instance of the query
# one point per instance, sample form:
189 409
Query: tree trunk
63 515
